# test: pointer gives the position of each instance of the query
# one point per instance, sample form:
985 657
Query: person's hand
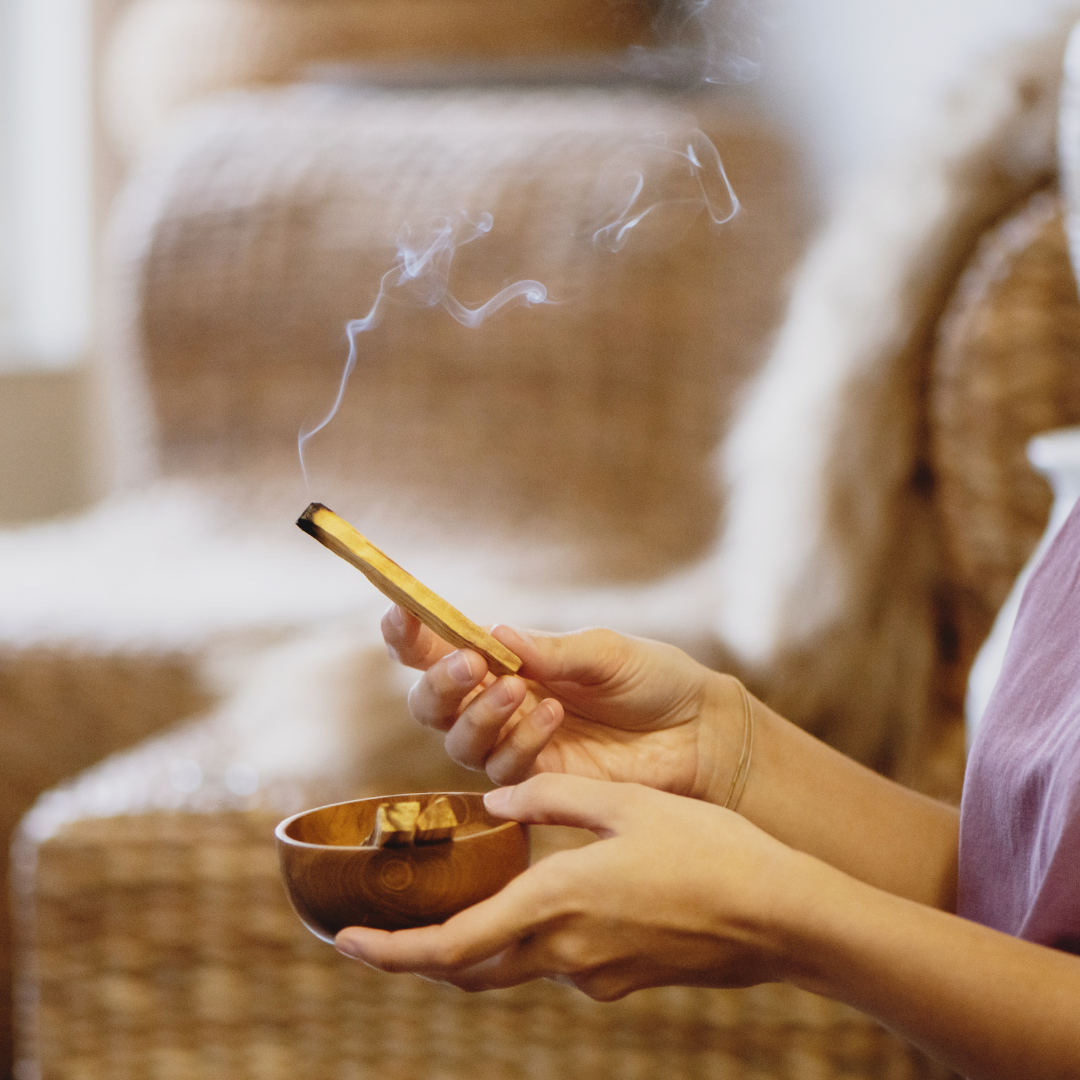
677 892
592 703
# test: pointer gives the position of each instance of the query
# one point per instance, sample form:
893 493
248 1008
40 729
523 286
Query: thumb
586 657
601 806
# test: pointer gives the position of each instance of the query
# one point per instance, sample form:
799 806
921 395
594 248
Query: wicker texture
164 943
165 53
166 948
589 422
308 721
160 941
61 711
1005 369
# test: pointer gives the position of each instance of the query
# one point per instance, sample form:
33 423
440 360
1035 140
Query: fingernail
553 715
503 692
346 947
499 799
397 617
460 669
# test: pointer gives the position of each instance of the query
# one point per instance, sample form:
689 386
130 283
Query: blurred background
847 81
793 444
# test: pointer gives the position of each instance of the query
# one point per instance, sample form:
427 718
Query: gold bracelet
742 770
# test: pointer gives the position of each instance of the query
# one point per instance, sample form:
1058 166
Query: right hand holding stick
592 703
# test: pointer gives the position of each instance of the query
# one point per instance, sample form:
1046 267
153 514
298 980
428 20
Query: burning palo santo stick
389 578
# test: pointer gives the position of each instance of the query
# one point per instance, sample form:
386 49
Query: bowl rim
282 826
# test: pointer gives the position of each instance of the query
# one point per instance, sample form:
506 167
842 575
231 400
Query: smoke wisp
420 277
628 181
710 41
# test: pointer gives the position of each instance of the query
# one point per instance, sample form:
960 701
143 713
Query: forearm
818 801
986 1004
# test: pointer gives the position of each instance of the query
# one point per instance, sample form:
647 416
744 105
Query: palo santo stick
401 587
402 824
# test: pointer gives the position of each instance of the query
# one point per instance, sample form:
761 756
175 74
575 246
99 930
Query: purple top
1020 814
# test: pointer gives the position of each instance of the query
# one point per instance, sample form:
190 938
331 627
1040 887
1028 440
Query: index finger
409 641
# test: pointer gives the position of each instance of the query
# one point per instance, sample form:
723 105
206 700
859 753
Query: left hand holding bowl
676 892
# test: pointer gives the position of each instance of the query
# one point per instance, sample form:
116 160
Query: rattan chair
580 433
155 937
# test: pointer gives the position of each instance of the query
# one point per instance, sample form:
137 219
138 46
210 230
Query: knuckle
609 642
577 958
442 682
387 626
431 705
450 958
599 980
470 724
569 952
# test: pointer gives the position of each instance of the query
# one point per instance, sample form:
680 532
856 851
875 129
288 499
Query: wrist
725 741
779 918
831 925
804 929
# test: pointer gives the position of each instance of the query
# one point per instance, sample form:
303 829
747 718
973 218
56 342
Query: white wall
853 79
53 183
48 163
6 219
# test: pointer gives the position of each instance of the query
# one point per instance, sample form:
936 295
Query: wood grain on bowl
335 877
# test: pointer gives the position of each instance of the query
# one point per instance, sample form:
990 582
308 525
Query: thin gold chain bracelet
742 770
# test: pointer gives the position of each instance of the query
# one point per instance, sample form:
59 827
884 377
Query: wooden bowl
334 881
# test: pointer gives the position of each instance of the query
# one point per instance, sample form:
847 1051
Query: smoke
627 181
420 277
711 41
